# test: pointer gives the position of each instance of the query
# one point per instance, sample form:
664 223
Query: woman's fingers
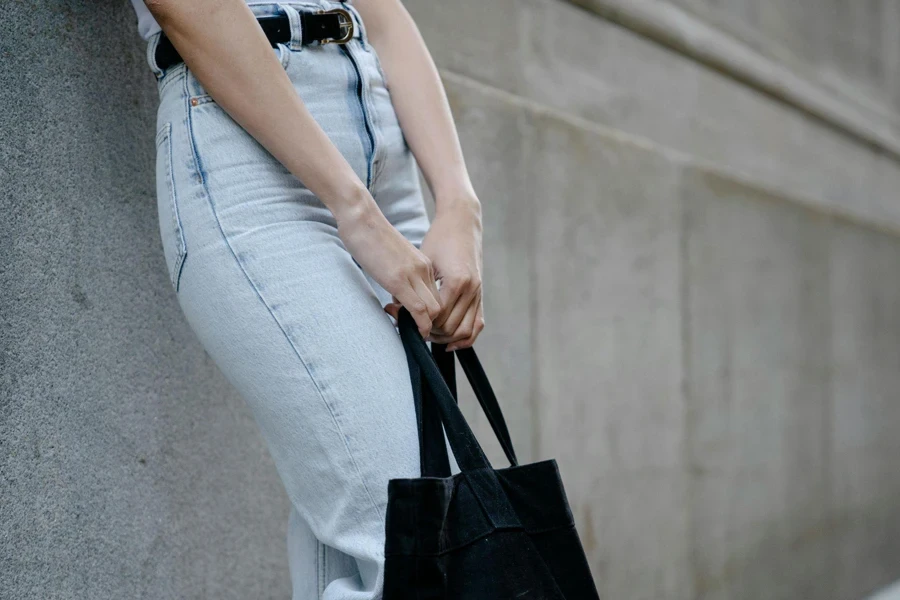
467 324
467 327
393 307
425 288
420 295
477 328
416 306
456 296
424 307
413 286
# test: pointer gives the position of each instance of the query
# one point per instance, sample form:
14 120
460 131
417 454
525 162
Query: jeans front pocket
170 228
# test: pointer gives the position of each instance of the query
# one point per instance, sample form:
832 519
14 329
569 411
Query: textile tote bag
483 533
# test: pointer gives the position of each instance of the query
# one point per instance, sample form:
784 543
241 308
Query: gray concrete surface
691 295
609 407
129 468
683 33
853 47
758 350
539 50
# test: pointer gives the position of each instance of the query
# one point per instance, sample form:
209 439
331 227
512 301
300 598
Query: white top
147 25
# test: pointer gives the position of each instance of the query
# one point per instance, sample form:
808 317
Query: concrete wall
711 274
691 298
129 468
853 47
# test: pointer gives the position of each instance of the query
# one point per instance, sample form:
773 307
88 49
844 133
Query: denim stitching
203 180
380 68
284 55
322 570
368 123
378 150
294 25
150 55
162 133
318 568
170 75
164 136
176 217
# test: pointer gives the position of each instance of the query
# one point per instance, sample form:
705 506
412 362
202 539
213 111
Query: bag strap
425 374
482 388
433 459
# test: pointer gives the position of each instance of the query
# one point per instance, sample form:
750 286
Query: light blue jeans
282 308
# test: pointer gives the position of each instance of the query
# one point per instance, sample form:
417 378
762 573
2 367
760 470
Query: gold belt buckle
346 25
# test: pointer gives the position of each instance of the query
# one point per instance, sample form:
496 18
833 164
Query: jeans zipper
362 103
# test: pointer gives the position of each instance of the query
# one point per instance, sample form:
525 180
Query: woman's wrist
353 204
457 198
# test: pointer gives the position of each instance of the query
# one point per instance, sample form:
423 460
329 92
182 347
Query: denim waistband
291 9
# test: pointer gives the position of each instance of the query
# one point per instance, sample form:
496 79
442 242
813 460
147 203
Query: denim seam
380 67
203 180
164 138
377 160
170 75
150 55
378 148
368 124
322 568
284 54
318 568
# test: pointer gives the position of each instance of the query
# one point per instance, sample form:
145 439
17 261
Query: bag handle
482 388
436 394
433 460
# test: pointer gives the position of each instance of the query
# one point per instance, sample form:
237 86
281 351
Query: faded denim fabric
283 309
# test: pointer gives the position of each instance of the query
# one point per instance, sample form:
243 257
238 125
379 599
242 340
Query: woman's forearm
227 51
229 54
453 242
419 100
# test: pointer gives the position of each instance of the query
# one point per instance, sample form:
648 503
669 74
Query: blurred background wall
692 213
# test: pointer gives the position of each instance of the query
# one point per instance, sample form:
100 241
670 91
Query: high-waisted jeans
283 309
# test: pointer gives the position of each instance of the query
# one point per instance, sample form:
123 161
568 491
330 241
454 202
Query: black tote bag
483 533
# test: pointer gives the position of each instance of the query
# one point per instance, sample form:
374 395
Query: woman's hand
391 260
453 244
454 241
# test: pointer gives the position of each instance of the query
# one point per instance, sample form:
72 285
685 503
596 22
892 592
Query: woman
292 221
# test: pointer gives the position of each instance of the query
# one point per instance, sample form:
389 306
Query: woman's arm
226 49
454 241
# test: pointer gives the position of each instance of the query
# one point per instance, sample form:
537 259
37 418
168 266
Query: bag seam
482 536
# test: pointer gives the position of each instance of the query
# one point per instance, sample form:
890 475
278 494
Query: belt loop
363 38
152 43
293 15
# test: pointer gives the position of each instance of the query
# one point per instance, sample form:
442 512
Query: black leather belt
333 26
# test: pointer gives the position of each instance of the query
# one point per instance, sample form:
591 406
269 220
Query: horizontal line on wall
677 29
681 159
